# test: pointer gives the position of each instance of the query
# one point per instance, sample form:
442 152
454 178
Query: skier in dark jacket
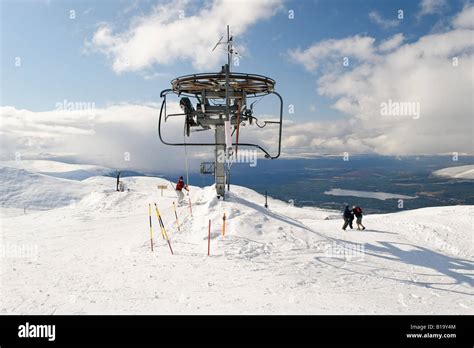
179 189
348 218
358 214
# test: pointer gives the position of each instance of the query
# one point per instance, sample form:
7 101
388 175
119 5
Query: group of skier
349 215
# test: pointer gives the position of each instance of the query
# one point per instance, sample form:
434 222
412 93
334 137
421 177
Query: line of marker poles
165 235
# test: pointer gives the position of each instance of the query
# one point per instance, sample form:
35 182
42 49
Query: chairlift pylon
220 97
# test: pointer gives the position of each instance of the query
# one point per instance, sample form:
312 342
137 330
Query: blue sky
55 65
119 55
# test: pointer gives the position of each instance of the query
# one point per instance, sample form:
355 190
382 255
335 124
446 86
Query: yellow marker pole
151 230
163 230
159 219
223 225
175 214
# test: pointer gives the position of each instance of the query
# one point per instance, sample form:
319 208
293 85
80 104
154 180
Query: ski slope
85 249
459 172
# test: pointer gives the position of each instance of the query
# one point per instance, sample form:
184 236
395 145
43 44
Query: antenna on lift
230 49
228 93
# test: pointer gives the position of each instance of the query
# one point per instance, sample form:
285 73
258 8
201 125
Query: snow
59 169
367 194
459 172
92 256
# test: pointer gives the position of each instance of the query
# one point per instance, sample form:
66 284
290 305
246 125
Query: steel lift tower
222 104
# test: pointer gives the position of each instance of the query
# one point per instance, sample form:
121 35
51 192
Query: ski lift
223 101
208 168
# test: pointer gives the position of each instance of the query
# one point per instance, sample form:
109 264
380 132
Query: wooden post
162 187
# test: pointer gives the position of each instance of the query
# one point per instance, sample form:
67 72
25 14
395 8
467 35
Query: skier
348 217
118 180
358 214
179 189
351 219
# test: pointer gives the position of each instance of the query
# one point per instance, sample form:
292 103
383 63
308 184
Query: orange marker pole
190 207
151 230
176 215
223 225
209 239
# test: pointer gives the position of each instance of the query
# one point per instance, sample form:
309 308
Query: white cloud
359 47
465 19
384 23
390 44
428 7
102 136
421 72
99 136
162 37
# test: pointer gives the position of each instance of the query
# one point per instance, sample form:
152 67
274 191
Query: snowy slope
58 169
94 256
22 189
459 172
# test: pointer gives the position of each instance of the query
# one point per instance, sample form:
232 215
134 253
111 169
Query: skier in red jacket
179 189
357 211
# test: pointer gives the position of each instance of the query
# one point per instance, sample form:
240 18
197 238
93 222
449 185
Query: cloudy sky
81 80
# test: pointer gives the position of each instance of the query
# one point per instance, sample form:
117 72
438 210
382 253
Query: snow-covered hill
90 253
459 172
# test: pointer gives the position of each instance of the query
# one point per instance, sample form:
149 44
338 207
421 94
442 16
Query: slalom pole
163 230
151 230
158 216
209 239
176 215
223 225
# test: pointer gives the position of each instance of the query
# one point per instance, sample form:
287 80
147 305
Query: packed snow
459 172
80 247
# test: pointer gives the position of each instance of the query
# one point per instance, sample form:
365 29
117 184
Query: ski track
93 257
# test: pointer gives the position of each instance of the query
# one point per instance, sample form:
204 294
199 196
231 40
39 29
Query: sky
81 79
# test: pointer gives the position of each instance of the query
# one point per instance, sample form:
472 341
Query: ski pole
151 230
163 230
209 239
176 215
223 225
